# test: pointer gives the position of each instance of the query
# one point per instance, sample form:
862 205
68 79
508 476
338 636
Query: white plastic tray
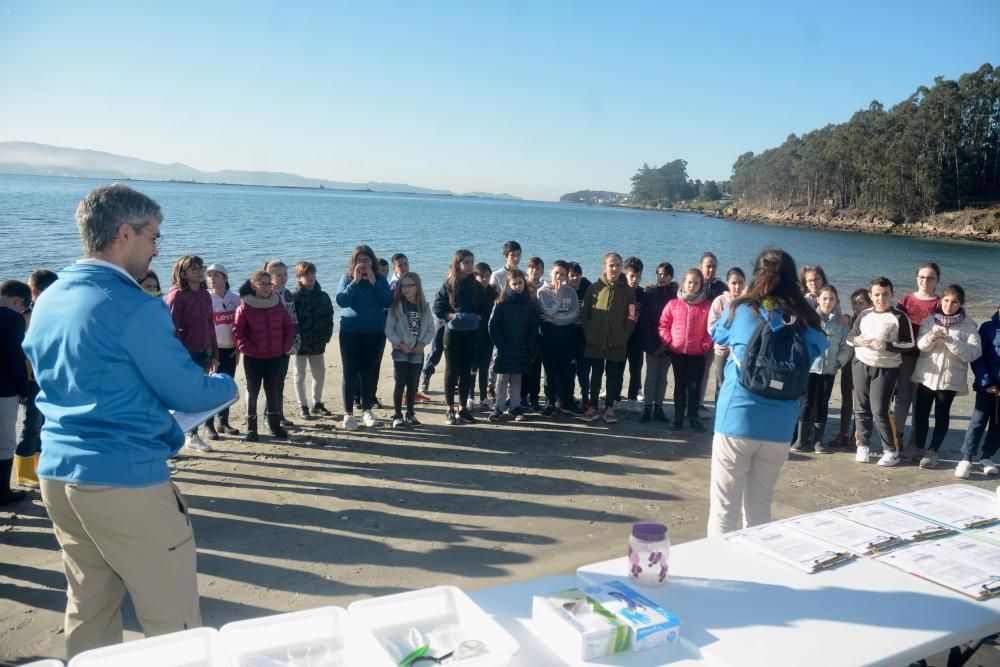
317 637
201 647
392 616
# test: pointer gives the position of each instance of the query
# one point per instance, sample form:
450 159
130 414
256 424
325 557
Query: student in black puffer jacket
315 312
514 331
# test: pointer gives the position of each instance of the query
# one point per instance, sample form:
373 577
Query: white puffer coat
944 364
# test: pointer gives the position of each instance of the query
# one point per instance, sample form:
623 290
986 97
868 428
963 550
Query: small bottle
648 554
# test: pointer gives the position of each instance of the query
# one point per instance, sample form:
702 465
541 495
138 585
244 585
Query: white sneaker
368 419
861 456
470 404
350 423
989 468
194 442
603 394
633 406
889 459
641 397
962 469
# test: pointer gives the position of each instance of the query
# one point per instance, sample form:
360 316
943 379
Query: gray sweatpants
508 382
873 389
317 366
654 389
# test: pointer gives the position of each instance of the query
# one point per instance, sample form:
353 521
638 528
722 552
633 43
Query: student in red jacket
190 307
264 334
684 333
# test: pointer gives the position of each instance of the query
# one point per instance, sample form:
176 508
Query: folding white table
738 607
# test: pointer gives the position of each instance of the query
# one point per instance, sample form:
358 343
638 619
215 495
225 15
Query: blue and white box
650 625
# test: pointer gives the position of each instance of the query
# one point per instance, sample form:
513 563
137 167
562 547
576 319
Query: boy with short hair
879 336
29 447
531 383
15 297
315 311
400 266
636 354
511 260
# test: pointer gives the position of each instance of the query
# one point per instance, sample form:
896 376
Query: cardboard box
650 625
577 627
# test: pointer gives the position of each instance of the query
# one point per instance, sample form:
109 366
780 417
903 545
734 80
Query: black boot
819 430
6 495
210 427
274 424
647 415
696 424
224 425
805 439
659 415
251 435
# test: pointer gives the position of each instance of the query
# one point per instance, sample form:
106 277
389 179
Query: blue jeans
985 417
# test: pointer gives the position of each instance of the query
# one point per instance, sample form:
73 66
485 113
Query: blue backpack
775 361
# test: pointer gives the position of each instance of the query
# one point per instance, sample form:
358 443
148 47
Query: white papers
188 420
964 565
855 537
972 498
940 510
789 546
893 521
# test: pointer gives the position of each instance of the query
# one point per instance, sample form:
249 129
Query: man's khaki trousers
115 539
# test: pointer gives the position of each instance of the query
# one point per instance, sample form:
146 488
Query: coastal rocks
969 224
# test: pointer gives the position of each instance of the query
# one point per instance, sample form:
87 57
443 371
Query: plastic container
443 617
201 647
47 662
322 637
648 554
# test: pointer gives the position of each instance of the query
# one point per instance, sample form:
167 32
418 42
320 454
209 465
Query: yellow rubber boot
26 470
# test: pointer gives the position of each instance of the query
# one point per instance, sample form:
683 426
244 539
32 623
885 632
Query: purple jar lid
649 531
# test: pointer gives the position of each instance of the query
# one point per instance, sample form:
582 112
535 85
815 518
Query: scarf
692 298
948 321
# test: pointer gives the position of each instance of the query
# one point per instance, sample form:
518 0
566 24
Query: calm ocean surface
244 226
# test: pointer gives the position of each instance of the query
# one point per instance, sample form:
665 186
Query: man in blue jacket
109 370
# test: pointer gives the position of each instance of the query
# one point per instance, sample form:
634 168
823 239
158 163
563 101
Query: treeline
592 197
937 150
669 183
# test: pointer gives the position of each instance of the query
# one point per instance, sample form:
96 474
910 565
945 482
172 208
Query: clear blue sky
533 98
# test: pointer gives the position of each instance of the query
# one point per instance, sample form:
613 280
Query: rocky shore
970 224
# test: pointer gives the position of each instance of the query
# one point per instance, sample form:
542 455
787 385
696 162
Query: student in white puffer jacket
948 341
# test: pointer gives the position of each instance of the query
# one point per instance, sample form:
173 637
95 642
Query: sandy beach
329 517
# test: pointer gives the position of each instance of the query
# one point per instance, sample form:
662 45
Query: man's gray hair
107 208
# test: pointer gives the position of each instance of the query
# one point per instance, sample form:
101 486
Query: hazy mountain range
23 157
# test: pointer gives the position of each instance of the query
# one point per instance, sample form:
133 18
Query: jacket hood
256 302
299 289
510 296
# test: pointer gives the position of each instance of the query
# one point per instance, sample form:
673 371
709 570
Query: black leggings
816 403
922 414
266 372
636 355
558 352
227 365
359 355
459 355
481 368
615 375
407 376
688 371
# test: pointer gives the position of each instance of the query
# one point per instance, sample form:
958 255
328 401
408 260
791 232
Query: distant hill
22 157
594 197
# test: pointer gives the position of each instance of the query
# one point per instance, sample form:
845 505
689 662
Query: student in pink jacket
684 332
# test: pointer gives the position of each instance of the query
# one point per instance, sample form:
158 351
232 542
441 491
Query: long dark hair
182 265
775 277
455 277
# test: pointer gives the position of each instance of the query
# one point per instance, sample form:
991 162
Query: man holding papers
110 370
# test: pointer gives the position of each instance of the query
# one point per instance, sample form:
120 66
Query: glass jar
648 554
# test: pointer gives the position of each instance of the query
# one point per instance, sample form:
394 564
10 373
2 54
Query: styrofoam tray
391 617
319 637
200 647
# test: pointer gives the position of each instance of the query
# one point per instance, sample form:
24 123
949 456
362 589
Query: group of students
505 326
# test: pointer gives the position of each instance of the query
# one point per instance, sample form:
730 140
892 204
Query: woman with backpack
770 326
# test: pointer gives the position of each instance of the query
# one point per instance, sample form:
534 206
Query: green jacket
608 319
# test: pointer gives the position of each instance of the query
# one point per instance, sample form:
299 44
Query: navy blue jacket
654 300
986 369
514 330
